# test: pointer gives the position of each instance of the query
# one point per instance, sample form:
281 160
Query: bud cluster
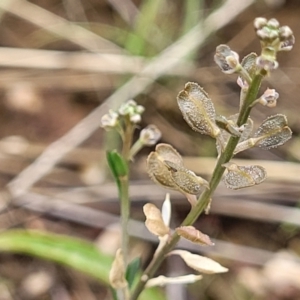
125 121
273 39
130 110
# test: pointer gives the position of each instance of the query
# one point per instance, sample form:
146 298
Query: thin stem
205 197
128 136
137 146
125 213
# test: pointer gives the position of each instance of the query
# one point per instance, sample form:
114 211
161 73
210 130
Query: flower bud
150 135
260 23
287 38
285 32
266 63
269 98
131 109
273 23
109 120
226 59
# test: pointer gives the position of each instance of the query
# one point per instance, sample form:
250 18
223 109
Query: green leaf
117 165
132 270
65 250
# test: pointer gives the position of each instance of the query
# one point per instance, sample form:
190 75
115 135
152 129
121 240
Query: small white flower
109 120
150 135
136 118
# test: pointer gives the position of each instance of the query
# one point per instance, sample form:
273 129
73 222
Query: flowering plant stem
205 197
125 211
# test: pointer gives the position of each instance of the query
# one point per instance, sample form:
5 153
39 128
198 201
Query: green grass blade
78 254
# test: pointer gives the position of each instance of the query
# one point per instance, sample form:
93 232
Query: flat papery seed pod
199 263
198 110
276 140
273 132
117 272
192 234
167 152
249 63
159 172
239 177
186 180
163 280
154 221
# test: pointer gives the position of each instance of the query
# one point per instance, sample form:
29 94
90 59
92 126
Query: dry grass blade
97 219
165 61
77 61
58 26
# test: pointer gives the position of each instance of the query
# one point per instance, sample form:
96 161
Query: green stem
205 197
125 213
137 146
127 141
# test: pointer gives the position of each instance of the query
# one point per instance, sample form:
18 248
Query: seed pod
200 263
154 221
195 236
117 272
186 180
156 167
273 132
198 110
238 177
163 280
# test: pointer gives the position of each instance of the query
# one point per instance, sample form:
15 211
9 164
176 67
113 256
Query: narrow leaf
68 251
72 252
132 270
117 165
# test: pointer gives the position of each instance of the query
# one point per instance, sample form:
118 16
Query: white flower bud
150 135
109 120
260 23
269 98
226 59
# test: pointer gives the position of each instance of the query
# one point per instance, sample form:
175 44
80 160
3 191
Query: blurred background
64 63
